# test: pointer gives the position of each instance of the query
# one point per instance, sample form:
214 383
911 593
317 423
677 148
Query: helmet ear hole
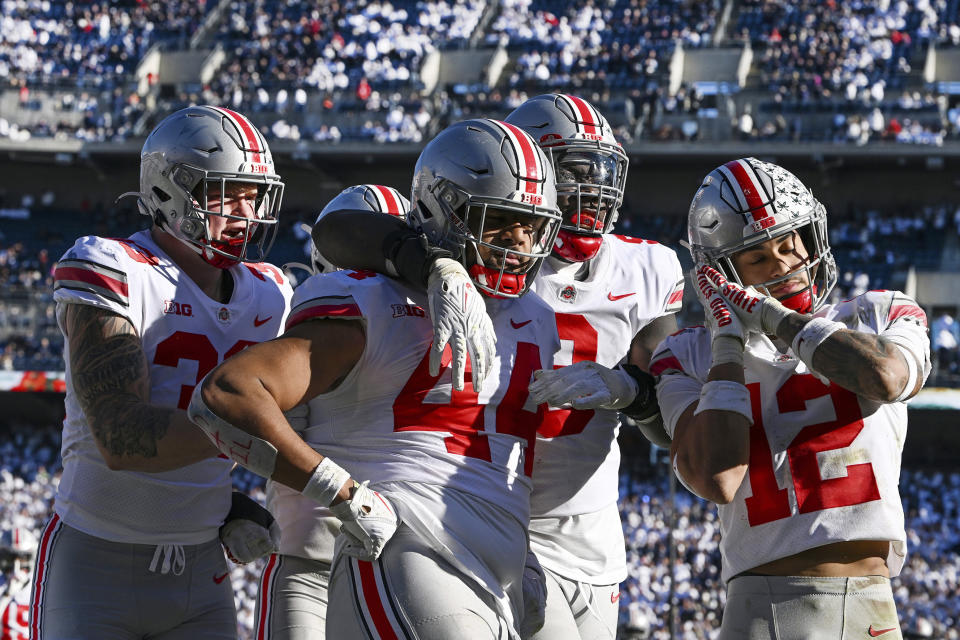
192 228
162 195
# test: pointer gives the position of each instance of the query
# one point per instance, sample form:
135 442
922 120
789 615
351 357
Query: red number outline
812 492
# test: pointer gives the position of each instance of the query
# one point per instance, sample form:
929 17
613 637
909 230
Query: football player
18 549
790 413
614 299
292 602
433 542
132 549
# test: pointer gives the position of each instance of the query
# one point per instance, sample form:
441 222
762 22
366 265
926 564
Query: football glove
369 521
250 531
756 311
584 385
728 334
459 319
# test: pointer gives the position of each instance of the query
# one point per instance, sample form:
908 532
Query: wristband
727 350
912 374
812 335
725 395
410 257
644 405
325 483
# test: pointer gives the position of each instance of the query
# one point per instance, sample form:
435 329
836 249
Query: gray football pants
86 587
292 603
809 608
579 611
409 592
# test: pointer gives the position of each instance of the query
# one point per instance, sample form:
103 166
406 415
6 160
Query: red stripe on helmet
750 188
528 158
253 143
389 196
590 123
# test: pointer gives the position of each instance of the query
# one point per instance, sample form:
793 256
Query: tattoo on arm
112 382
856 361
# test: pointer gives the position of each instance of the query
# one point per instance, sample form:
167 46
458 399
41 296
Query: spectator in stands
945 339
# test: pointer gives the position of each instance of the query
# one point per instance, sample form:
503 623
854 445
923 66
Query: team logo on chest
412 310
568 294
223 315
177 308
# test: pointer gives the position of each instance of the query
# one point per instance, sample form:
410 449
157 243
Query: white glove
758 312
727 332
460 319
534 597
584 385
369 521
249 532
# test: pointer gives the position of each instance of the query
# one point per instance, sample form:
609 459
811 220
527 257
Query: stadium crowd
926 592
350 71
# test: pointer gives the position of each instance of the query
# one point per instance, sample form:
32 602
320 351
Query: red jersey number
573 327
195 347
462 416
769 502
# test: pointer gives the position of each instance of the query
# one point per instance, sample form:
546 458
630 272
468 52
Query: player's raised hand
758 312
459 319
369 521
728 333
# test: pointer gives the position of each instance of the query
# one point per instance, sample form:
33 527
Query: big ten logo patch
175 308
401 310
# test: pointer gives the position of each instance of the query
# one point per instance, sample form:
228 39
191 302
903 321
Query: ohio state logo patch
568 294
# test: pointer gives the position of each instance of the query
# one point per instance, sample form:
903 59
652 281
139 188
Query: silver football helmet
18 548
204 150
367 197
480 175
746 202
590 165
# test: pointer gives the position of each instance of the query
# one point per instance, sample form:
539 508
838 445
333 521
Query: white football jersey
390 421
15 611
824 462
631 283
184 334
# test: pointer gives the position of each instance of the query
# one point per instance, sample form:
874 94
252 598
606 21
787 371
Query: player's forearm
867 364
715 448
355 239
134 436
243 402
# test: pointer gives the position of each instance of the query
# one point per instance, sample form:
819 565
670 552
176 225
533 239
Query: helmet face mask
478 184
590 166
495 263
746 203
203 150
